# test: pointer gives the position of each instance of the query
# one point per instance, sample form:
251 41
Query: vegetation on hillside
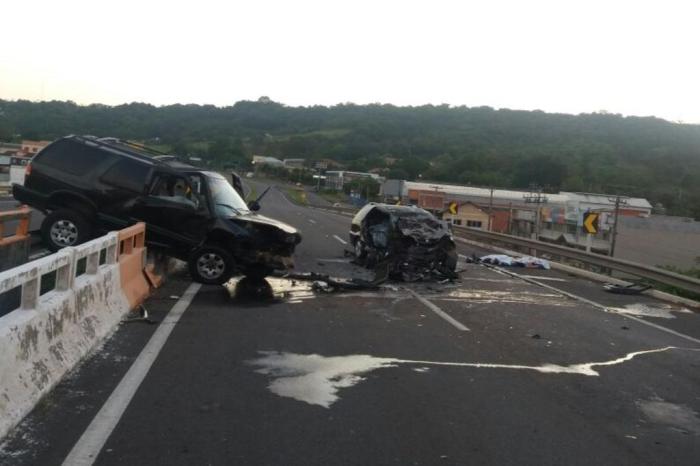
600 152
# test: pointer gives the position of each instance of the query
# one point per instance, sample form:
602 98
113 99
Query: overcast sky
630 57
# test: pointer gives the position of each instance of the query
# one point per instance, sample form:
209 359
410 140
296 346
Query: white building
548 217
336 179
259 160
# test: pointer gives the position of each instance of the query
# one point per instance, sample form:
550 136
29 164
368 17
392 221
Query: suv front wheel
211 265
63 228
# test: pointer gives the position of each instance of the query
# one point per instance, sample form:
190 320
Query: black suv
88 186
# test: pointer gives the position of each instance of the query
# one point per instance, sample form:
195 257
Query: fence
14 248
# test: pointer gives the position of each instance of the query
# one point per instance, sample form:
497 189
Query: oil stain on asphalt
316 379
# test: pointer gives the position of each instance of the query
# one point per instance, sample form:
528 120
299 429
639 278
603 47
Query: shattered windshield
421 226
226 200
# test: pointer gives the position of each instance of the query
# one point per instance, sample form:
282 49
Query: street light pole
535 196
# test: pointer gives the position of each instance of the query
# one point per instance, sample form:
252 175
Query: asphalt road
491 369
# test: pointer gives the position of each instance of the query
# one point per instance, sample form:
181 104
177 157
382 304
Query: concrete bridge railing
68 302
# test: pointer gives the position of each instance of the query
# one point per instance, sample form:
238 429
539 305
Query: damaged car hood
421 228
267 221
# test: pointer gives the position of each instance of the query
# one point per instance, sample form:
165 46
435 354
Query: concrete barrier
69 302
14 248
132 264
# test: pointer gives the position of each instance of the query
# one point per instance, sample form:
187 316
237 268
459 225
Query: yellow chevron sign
590 222
453 208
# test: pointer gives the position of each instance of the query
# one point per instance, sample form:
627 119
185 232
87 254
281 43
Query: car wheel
360 251
451 260
63 228
211 265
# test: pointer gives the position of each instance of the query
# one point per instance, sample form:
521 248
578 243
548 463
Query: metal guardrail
633 268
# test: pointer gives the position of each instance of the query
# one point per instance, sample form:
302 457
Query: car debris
632 289
403 243
509 261
88 186
326 283
142 317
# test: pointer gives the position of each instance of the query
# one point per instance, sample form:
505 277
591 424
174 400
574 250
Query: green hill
637 156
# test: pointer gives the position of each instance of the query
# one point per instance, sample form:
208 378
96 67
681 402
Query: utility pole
535 196
491 209
510 219
619 200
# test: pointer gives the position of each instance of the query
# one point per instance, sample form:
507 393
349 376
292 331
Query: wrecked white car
403 242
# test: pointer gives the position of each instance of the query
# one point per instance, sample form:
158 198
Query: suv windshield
225 199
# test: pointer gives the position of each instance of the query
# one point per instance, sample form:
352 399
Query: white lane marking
311 221
342 241
602 307
455 323
87 448
285 197
549 279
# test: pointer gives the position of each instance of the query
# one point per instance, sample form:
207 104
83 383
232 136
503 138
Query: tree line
636 156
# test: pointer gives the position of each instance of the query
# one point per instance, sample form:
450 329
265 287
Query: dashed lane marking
455 323
595 304
550 279
87 448
342 241
311 221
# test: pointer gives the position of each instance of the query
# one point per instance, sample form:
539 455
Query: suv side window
71 157
127 174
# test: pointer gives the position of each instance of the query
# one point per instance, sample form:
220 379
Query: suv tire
359 249
64 227
211 265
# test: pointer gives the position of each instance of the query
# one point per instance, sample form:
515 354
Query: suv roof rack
124 147
136 150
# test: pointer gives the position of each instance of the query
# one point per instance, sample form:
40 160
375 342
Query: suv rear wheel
63 228
211 265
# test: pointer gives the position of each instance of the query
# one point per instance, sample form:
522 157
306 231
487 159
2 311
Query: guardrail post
92 263
112 252
66 273
30 294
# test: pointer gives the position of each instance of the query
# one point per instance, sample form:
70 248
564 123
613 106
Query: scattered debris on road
326 283
634 288
142 317
509 261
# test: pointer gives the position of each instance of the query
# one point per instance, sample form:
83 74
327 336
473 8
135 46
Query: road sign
453 208
590 222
